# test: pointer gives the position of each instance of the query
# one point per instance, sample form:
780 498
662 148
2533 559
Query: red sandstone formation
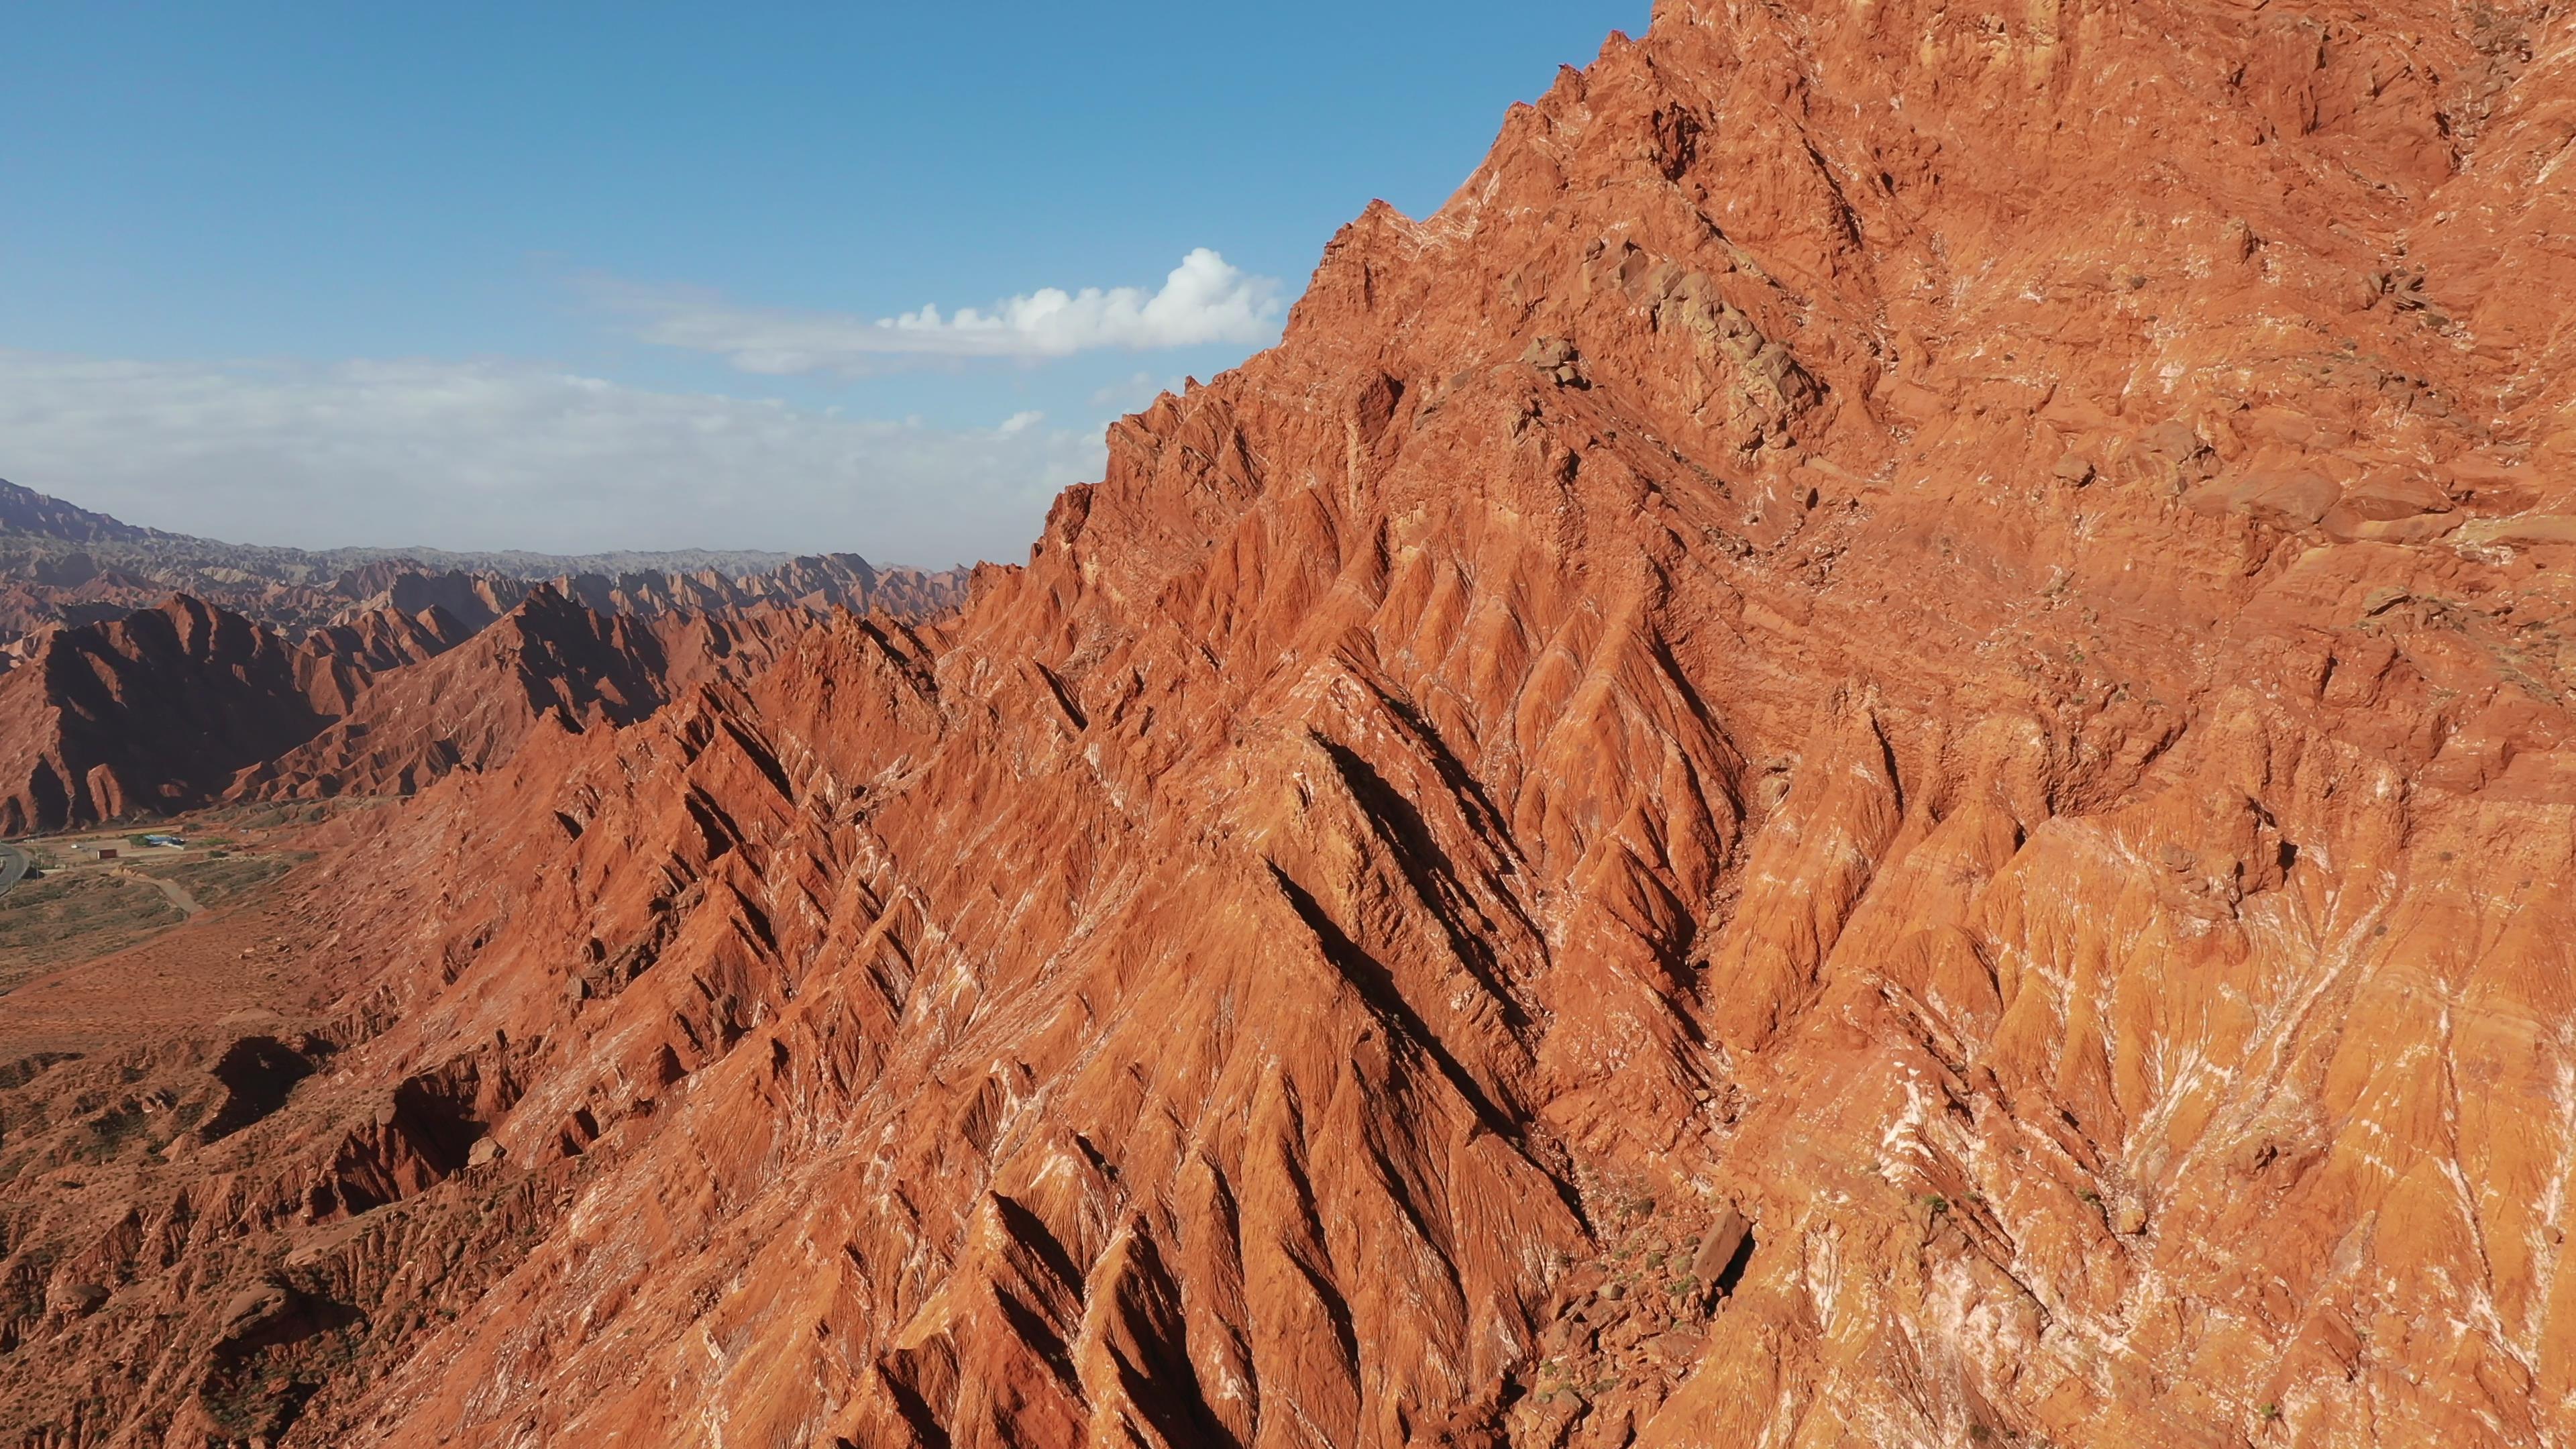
472 600
336 661
830 581
170 709
1870 752
550 663
154 712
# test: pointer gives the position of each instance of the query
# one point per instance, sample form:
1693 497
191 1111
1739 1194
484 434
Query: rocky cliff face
1869 752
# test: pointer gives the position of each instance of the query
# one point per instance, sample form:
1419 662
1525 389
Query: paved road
13 864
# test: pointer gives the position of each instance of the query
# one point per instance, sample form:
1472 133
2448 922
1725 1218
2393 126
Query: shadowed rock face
169 709
1869 752
153 712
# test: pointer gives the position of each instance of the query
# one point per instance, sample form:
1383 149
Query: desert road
13 865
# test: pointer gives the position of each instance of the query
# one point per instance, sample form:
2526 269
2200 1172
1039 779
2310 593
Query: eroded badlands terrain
1870 752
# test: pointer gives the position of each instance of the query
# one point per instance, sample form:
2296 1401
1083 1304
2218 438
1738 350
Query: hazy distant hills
26 513
35 525
61 564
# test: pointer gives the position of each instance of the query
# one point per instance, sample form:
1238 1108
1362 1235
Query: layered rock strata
1868 752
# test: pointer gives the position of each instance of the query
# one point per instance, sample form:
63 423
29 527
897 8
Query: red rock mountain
153 712
1870 752
26 511
170 709
337 661
472 600
830 581
548 664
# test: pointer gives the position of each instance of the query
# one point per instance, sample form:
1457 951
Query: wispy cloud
492 455
1206 299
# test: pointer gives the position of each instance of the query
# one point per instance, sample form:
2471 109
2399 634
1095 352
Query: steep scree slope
1869 752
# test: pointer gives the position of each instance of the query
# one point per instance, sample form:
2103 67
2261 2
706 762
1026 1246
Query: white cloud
1206 299
511 455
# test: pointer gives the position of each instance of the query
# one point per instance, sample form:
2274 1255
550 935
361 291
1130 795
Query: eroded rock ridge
1870 752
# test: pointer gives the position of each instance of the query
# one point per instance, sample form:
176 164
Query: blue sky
572 276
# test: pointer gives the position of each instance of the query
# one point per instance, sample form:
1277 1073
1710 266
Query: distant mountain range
30 520
61 564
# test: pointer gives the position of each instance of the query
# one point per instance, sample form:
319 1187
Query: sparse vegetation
73 917
218 878
264 817
106 1136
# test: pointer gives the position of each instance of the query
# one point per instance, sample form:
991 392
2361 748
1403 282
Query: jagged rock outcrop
472 600
337 661
548 662
828 581
1870 752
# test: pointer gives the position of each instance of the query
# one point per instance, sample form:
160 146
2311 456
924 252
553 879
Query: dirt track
177 893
